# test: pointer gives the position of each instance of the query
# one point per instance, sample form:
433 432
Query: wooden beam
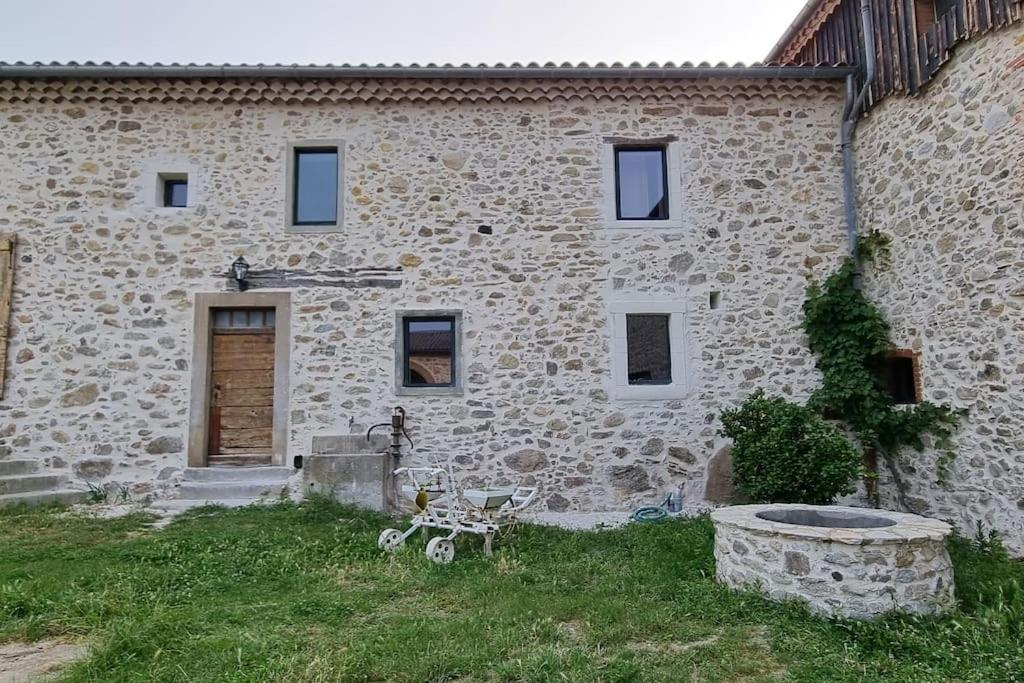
7 242
345 278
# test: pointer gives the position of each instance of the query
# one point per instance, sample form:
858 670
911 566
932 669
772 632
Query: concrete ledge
349 444
357 479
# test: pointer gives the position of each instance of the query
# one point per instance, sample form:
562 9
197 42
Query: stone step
30 483
62 497
249 474
250 460
176 506
214 491
10 468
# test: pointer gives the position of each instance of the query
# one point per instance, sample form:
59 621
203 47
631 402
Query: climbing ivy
850 339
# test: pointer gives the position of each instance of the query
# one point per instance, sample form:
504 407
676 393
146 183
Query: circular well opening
834 520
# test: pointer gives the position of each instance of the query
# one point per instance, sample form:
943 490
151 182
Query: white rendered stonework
487 208
853 572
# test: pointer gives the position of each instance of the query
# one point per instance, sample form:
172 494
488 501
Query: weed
96 495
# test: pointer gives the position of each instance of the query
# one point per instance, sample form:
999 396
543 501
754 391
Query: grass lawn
301 593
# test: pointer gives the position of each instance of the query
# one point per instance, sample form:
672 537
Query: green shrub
785 453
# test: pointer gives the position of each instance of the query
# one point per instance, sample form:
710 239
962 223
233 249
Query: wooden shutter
6 294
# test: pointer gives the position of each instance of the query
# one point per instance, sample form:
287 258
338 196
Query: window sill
649 392
312 229
428 391
614 224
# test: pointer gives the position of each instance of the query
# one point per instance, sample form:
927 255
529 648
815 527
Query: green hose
652 513
649 514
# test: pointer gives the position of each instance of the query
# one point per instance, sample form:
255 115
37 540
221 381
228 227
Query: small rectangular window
648 349
243 318
943 7
900 376
176 193
316 186
641 183
429 345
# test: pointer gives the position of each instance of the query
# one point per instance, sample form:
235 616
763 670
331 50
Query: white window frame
289 183
676 310
168 167
674 179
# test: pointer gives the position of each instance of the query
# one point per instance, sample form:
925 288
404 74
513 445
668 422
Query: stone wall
943 175
854 572
102 327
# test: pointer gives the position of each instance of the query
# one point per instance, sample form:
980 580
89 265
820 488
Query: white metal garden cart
440 505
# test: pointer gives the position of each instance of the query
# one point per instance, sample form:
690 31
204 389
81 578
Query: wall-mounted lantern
240 269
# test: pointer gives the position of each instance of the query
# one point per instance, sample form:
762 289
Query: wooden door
242 387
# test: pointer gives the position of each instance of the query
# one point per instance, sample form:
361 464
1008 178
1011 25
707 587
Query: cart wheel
389 540
440 550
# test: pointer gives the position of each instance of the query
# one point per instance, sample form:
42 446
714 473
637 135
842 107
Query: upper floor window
641 183
176 193
929 12
314 187
172 189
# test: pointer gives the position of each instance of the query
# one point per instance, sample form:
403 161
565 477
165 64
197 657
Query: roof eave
792 29
228 72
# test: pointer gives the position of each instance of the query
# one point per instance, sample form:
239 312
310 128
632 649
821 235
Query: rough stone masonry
489 198
102 327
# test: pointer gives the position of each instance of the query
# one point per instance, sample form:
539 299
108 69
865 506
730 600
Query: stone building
562 274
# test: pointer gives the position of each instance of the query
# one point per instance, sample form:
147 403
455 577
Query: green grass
300 593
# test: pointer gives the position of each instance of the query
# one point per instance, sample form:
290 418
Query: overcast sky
389 31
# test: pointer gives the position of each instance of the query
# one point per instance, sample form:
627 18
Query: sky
392 31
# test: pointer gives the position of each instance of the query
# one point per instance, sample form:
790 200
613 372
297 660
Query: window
243 318
176 193
900 374
648 350
929 12
650 354
314 186
427 355
172 190
641 183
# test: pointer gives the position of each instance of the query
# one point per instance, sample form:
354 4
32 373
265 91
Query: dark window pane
648 353
316 186
640 185
942 7
899 380
243 318
429 352
176 193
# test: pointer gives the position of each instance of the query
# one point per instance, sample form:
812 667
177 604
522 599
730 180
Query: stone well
847 561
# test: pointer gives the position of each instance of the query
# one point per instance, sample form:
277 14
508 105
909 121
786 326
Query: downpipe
851 115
